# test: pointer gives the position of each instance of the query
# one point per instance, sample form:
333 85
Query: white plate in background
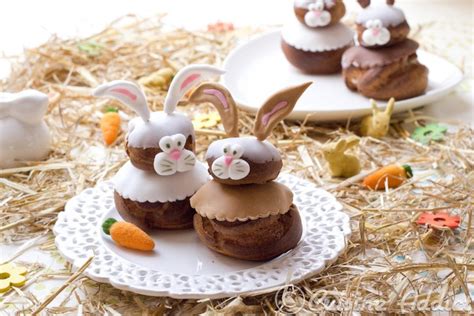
258 68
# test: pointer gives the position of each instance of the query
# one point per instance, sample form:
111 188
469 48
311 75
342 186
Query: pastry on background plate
316 51
315 41
242 213
153 189
381 24
384 73
319 13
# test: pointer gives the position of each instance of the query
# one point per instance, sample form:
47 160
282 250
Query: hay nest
390 262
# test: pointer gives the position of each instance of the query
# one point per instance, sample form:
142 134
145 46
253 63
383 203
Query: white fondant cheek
164 165
143 186
186 161
382 38
219 168
22 142
312 19
239 169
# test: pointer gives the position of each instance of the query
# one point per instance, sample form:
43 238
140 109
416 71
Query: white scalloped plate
258 68
181 266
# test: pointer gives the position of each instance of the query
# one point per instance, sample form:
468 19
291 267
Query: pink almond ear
126 93
222 100
364 3
276 108
189 80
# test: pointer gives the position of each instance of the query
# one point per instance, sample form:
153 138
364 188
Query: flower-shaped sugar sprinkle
11 275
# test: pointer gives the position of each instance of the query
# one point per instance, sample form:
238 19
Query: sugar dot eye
235 152
225 150
168 145
179 143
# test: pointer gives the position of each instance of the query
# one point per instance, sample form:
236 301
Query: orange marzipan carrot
128 235
392 175
110 125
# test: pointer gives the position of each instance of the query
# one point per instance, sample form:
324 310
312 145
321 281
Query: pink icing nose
375 31
317 12
175 154
228 160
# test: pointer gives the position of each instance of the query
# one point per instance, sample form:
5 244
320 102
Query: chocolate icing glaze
362 57
230 202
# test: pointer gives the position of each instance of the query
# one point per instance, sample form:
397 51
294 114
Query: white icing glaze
255 150
187 78
325 39
126 92
148 134
142 186
306 3
229 165
375 34
173 158
389 15
23 134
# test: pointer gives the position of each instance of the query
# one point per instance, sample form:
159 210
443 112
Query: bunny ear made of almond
222 100
276 108
390 2
186 79
126 92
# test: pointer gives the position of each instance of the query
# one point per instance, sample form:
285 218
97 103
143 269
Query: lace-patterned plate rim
327 228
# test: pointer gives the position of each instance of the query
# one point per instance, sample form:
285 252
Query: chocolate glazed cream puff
242 212
153 189
384 73
315 41
385 65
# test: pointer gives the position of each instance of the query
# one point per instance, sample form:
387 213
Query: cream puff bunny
246 160
160 141
154 188
24 135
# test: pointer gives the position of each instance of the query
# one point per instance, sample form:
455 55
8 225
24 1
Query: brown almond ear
222 100
276 108
364 3
390 2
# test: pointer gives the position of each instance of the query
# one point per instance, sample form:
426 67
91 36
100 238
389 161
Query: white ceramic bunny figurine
24 135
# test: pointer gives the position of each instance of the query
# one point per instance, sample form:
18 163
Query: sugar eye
168 145
225 150
179 143
234 152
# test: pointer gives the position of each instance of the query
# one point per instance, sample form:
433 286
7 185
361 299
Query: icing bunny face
174 157
316 15
375 34
229 165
